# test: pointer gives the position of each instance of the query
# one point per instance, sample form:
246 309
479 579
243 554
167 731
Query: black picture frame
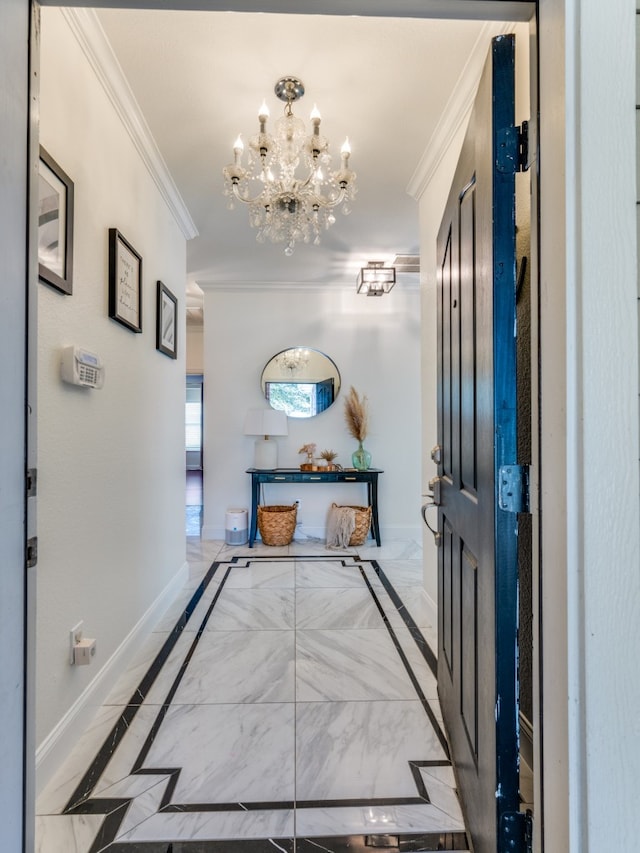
125 282
166 321
55 225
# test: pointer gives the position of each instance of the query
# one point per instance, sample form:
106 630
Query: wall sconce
375 279
265 422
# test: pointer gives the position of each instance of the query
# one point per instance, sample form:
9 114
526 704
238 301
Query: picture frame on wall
125 282
166 321
55 225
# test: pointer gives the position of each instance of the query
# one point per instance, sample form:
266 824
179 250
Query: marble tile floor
287 701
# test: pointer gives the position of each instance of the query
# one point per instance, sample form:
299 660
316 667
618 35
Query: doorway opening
193 422
193 448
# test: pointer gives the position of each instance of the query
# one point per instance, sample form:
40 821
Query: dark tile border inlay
396 642
416 633
120 728
115 808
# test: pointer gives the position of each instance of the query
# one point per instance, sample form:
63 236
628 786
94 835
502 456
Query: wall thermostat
81 367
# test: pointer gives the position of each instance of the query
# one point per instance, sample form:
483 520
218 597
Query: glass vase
361 458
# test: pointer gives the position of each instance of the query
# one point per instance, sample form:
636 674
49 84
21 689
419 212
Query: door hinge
31 554
512 154
516 829
513 488
32 482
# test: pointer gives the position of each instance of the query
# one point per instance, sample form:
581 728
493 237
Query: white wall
376 346
111 462
589 347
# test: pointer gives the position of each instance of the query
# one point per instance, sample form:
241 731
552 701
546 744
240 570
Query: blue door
479 482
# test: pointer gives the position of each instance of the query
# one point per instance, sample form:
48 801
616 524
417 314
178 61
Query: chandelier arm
236 195
302 185
323 201
330 201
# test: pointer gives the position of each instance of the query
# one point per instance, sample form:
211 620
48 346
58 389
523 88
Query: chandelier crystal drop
287 207
292 361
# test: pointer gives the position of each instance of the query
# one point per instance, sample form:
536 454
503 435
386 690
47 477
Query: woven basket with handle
277 524
363 523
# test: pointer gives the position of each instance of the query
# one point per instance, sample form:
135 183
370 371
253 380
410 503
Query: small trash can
236 528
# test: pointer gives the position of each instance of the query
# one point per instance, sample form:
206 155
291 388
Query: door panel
468 472
477 662
445 615
469 648
445 332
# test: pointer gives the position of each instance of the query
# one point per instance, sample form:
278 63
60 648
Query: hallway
286 701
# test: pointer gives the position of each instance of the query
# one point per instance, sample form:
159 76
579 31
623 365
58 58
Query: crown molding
269 286
407 282
457 111
88 31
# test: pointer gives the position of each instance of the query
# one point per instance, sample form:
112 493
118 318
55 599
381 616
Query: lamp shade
265 422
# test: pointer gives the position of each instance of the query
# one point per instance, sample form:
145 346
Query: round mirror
301 382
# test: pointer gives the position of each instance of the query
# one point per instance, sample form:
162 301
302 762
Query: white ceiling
199 78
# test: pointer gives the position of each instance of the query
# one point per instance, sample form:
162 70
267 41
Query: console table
294 475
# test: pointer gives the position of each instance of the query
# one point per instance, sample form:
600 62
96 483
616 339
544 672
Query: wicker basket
363 523
277 524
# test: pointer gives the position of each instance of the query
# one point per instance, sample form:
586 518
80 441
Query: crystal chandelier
288 208
291 361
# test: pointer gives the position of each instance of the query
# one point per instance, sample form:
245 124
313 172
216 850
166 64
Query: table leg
255 493
373 500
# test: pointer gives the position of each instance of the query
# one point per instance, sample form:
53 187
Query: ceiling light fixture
375 279
289 209
291 361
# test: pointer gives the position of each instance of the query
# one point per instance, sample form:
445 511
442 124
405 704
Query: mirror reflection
300 381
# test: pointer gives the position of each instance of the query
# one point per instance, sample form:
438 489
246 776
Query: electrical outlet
75 635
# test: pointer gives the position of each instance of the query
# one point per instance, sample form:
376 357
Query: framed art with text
167 322
125 282
55 225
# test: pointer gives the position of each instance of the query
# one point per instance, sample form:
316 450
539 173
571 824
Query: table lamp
265 423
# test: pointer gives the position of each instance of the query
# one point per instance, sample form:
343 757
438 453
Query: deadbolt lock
434 485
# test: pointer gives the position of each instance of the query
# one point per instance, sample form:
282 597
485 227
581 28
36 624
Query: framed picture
55 225
167 322
125 282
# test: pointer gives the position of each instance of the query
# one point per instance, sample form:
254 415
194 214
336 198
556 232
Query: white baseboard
210 532
387 534
57 745
430 603
431 636
395 532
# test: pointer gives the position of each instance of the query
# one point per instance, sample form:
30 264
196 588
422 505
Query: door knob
437 536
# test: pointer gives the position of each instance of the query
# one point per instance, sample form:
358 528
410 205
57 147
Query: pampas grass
356 415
